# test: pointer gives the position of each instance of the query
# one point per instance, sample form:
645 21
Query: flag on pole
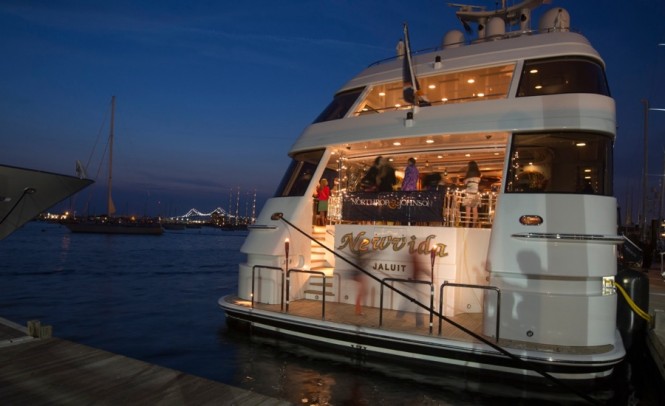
411 92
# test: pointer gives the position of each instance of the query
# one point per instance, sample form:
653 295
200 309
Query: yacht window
560 163
339 106
562 75
456 87
299 174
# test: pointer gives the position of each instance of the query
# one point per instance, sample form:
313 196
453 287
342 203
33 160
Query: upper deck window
560 163
562 75
339 106
456 87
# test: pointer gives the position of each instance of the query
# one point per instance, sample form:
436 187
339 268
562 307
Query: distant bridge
195 213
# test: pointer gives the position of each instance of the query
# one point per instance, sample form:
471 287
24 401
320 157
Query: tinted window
339 106
560 163
299 174
562 75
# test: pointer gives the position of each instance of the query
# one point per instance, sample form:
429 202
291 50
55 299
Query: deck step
312 294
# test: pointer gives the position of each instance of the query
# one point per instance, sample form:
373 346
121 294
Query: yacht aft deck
405 322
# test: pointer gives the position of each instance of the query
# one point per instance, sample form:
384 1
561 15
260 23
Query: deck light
409 119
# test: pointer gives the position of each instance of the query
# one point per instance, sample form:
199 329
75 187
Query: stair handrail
412 300
466 285
288 287
281 308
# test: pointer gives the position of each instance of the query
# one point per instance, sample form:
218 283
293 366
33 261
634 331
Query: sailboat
109 224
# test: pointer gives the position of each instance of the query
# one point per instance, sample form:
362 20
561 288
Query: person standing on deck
410 182
387 178
472 196
322 194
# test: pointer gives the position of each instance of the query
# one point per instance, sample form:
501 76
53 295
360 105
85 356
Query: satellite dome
556 19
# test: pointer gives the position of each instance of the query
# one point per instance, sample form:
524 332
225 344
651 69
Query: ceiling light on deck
382 94
397 143
467 155
538 87
580 144
432 86
481 94
587 170
533 71
471 81
429 141
444 99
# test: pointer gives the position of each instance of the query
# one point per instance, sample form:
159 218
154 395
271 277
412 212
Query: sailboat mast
110 206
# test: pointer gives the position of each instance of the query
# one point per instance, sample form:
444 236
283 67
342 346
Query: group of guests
381 178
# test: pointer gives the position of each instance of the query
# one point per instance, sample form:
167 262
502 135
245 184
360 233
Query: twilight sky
211 95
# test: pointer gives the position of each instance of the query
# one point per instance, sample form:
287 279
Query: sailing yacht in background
108 224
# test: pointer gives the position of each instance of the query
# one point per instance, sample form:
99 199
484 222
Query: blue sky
211 95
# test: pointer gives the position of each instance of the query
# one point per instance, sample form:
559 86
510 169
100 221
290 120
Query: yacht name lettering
359 244
379 266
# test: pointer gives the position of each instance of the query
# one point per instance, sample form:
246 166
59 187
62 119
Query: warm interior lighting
581 144
397 143
587 170
430 141
539 87
470 81
382 94
432 86
533 71
481 94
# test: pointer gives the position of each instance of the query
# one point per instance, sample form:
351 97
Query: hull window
562 75
560 163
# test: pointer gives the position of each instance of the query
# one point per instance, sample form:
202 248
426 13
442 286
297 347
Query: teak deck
345 313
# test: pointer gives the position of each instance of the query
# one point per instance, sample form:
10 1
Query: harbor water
154 298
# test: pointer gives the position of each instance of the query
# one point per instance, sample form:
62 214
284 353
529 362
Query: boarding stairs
319 263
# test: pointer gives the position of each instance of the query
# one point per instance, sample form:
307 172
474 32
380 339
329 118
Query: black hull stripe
396 344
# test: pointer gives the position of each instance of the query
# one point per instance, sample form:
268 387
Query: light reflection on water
154 298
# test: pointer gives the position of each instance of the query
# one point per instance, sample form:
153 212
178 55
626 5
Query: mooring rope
526 364
646 316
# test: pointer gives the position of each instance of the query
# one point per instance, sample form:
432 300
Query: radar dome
453 39
556 19
496 27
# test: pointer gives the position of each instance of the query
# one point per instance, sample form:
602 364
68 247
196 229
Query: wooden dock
50 371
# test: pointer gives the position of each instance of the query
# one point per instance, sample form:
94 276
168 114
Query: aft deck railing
323 299
463 285
276 268
422 282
